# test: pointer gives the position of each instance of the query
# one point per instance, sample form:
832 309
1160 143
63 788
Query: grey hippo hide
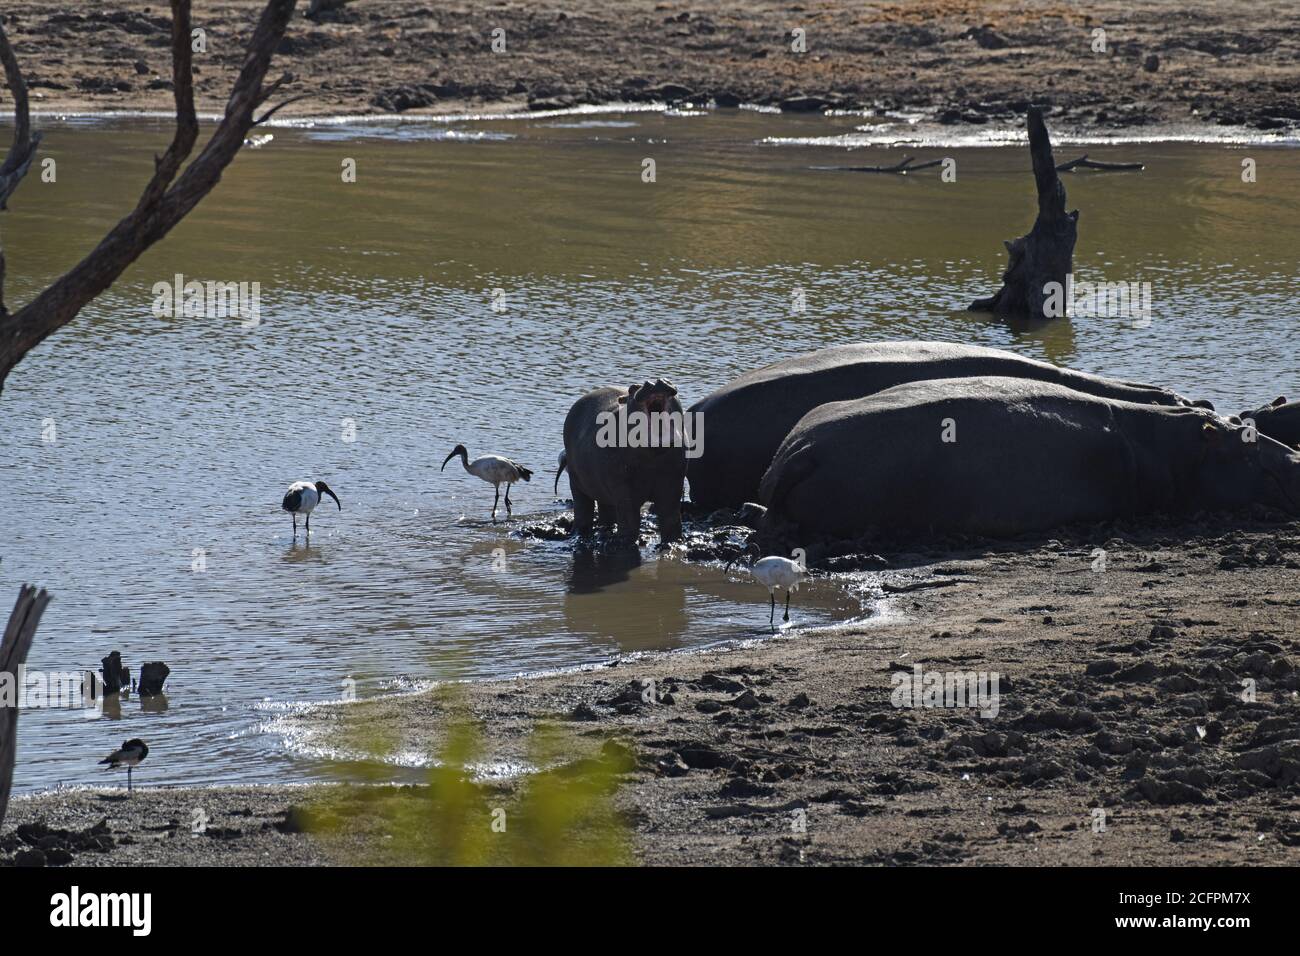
1279 420
744 421
620 476
1001 456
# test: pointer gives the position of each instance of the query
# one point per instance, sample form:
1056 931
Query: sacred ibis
129 756
302 497
493 469
775 572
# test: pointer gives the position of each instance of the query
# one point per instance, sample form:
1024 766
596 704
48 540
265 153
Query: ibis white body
308 497
303 497
496 470
777 572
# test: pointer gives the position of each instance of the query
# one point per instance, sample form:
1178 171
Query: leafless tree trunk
167 197
1046 254
14 645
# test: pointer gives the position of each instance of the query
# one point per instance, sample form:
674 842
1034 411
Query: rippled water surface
173 439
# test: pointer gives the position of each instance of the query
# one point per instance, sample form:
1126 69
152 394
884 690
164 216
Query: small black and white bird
493 469
302 497
129 756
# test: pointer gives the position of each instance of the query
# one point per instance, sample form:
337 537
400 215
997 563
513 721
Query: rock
746 701
1152 63
1169 792
726 99
703 758
1101 668
1280 762
583 712
708 706
986 37
1145 671
799 701
398 99
29 857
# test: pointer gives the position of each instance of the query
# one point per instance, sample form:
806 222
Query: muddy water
135 449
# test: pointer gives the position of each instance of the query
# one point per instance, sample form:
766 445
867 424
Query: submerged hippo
747 419
1279 420
1000 456
624 448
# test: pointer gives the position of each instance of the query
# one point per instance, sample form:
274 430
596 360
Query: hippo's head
651 397
664 420
1279 420
1238 467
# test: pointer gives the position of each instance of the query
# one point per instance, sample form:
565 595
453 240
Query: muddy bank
1127 660
962 62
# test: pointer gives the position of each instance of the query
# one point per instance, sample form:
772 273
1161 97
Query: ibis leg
494 504
507 501
771 616
295 524
309 524
787 606
128 780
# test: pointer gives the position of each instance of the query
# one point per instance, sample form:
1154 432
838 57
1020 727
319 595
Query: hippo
997 456
1279 420
620 466
748 418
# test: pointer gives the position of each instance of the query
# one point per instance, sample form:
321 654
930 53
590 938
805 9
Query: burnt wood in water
116 677
152 676
1044 255
14 645
168 196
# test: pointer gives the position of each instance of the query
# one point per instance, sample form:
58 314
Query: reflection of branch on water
900 168
1083 162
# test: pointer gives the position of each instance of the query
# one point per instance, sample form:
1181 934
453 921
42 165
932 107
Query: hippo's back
985 455
746 420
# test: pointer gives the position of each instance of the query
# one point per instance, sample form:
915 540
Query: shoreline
1120 694
1224 63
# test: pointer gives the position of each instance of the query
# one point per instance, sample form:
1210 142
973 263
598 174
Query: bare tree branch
14 644
170 193
1083 162
23 150
901 168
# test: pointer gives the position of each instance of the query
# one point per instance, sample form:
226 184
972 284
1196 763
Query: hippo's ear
1235 419
1280 400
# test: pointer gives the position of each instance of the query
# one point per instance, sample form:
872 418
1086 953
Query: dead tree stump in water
116 677
1046 254
15 643
152 676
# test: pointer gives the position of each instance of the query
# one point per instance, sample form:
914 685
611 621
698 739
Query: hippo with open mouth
623 448
748 418
998 456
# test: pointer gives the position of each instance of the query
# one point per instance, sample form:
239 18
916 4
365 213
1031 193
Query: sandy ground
1120 705
963 61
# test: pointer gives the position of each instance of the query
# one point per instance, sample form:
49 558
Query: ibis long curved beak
445 460
334 496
